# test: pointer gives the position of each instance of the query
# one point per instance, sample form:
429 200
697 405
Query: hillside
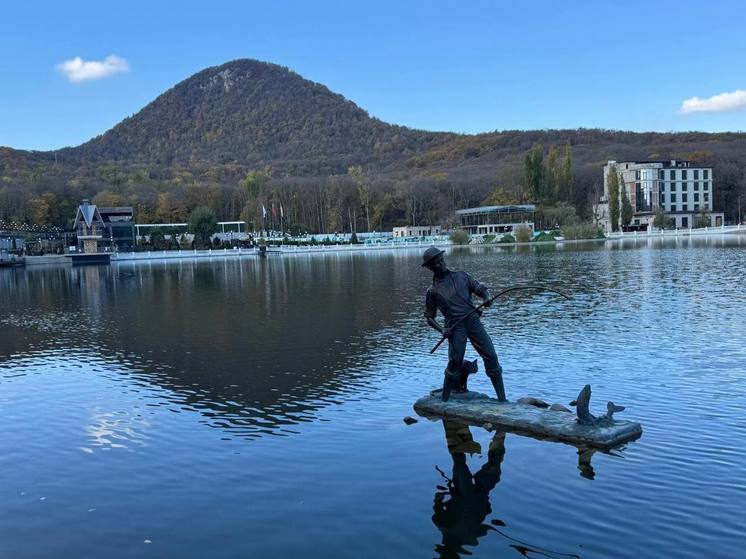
253 113
196 143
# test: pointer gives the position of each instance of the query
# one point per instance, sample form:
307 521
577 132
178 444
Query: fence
723 229
289 249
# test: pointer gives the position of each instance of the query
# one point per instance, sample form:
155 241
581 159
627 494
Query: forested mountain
248 133
253 113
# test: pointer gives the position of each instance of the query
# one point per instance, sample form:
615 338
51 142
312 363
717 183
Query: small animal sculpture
467 368
585 417
531 401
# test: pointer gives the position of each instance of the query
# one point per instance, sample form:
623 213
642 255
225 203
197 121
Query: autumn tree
613 185
533 170
627 211
203 225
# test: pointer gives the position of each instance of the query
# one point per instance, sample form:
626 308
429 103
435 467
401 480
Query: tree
566 190
157 239
553 176
702 220
627 211
203 225
613 184
499 197
533 170
661 220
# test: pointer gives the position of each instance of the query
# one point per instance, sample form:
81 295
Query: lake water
253 408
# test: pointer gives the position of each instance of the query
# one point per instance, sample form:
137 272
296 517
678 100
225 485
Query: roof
498 209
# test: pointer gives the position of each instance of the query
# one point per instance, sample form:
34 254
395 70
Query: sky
71 70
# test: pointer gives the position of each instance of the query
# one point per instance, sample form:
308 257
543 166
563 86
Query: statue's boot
463 380
450 381
496 377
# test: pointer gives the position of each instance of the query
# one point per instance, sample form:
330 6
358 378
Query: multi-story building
416 231
683 190
487 220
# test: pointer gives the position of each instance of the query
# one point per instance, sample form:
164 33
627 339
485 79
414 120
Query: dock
479 409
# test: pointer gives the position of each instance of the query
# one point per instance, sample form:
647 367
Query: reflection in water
254 346
461 507
584 462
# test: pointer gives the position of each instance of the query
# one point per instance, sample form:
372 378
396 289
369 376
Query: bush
542 237
507 238
353 239
460 237
203 224
702 220
582 231
157 239
488 239
522 234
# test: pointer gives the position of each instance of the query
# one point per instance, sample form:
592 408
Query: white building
489 220
417 231
681 189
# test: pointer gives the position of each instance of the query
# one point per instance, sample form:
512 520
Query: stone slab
478 408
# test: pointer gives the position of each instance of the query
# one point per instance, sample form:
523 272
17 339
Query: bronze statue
451 294
585 417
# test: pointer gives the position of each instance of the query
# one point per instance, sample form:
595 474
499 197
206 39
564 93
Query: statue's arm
479 289
431 311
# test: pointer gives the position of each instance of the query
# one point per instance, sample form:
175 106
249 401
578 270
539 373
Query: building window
637 175
673 197
696 196
696 186
684 196
684 208
705 173
707 197
661 174
696 174
707 186
685 222
673 175
696 207
683 175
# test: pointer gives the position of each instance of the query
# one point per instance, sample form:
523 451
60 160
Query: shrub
702 220
460 237
542 237
507 238
487 239
522 234
582 231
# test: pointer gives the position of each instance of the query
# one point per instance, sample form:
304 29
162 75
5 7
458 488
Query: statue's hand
487 303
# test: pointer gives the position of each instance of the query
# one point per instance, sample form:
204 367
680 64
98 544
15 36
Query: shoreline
58 259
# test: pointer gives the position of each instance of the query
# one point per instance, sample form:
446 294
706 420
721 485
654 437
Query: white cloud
728 101
79 70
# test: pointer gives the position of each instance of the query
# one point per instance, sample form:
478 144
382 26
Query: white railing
723 229
285 249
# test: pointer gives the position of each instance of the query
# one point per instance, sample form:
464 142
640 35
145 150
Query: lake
253 408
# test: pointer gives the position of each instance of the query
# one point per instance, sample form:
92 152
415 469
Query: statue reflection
462 505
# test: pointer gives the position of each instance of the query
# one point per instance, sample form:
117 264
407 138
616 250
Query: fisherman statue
451 294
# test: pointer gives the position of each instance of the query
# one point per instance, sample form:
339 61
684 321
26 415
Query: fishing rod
491 299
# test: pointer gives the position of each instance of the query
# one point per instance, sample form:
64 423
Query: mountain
252 113
195 144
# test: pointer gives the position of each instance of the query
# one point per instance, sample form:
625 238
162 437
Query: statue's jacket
451 294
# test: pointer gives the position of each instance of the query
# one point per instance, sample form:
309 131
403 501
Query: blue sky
469 66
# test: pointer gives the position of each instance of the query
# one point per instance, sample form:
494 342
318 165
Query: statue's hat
430 254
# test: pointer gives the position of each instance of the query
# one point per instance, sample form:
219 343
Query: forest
249 135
